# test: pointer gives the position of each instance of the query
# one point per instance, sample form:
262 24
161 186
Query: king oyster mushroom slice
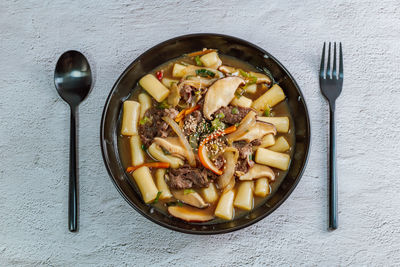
192 198
220 94
174 95
258 171
261 78
190 214
227 69
173 145
199 82
259 130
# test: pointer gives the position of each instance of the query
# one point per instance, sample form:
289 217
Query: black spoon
73 81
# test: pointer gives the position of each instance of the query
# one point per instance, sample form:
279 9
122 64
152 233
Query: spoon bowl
73 81
73 77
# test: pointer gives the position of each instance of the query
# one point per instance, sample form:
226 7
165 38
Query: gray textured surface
34 134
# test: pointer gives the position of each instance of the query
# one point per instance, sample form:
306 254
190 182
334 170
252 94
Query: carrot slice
204 159
200 53
163 165
186 112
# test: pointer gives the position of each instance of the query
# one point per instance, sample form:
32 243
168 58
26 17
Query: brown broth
281 109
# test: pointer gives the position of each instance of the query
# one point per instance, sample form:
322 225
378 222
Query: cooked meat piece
187 177
191 121
157 127
242 166
256 142
245 150
187 93
171 112
233 118
219 162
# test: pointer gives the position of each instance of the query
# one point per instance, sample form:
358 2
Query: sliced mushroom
174 95
173 145
200 82
220 94
259 130
190 214
261 78
227 69
191 198
258 171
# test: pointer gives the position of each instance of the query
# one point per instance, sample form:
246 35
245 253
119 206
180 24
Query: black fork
331 87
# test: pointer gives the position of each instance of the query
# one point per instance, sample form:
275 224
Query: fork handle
333 195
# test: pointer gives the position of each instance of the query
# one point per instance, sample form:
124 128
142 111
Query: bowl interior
175 48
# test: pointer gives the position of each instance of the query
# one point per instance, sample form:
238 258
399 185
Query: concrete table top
34 134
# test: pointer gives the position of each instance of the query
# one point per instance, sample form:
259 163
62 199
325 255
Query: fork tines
326 73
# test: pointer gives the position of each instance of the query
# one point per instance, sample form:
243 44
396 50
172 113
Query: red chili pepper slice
159 75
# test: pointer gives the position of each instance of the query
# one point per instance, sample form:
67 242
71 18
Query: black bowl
174 48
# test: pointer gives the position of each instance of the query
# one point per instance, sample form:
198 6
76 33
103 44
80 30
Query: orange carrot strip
207 163
180 115
200 53
186 112
163 165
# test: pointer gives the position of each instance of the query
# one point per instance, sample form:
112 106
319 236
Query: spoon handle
73 183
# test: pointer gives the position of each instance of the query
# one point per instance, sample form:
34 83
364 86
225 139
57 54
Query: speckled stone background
34 134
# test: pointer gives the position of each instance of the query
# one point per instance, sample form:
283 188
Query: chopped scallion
144 120
205 73
188 191
267 111
163 105
157 197
239 92
217 124
252 80
243 73
198 61
235 111
221 115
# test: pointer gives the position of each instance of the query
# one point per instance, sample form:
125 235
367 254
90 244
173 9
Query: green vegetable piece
188 191
174 203
163 105
252 80
193 140
267 111
144 148
205 73
198 61
157 197
144 120
217 124
221 115
235 111
243 73
239 92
